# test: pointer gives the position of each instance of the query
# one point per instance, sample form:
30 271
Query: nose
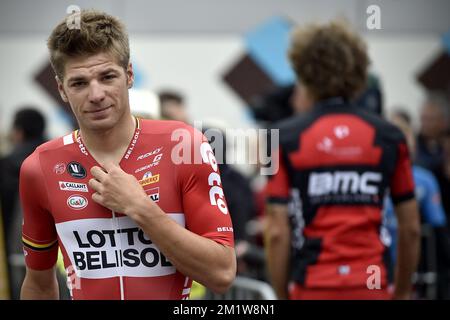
96 92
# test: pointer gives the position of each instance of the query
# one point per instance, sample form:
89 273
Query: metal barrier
426 275
245 289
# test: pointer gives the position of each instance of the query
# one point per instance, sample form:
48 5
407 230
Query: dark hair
167 95
31 122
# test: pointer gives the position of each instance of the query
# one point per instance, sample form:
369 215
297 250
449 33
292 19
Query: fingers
98 173
97 198
96 185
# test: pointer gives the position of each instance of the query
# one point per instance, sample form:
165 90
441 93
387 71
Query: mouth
98 111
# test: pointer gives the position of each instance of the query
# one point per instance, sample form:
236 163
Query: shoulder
383 127
32 163
162 126
56 144
289 129
173 133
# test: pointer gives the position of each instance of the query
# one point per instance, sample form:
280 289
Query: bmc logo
216 196
343 182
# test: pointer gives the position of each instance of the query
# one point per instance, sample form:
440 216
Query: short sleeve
38 230
204 202
278 186
402 182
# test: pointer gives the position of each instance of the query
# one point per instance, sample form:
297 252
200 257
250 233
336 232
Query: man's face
97 89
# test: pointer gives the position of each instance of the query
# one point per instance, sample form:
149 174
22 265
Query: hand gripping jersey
338 161
106 254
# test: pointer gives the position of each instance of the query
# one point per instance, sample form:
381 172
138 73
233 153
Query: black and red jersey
339 161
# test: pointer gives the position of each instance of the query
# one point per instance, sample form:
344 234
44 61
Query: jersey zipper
122 293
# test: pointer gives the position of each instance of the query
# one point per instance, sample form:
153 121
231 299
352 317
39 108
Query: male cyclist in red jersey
136 206
336 162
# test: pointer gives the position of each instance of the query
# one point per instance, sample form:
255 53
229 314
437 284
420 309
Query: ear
61 90
130 75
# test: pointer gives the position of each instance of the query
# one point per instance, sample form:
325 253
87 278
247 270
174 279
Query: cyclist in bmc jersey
336 161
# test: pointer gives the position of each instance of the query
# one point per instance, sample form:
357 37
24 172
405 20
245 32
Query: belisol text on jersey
115 256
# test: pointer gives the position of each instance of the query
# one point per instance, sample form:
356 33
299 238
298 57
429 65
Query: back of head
172 106
30 122
170 96
329 60
98 32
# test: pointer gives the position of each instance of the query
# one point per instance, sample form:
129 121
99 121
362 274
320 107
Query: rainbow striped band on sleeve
38 246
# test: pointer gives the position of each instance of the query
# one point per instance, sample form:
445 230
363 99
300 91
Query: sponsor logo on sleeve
225 229
76 170
73 186
216 195
77 202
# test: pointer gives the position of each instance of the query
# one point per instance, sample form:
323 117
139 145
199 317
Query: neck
111 144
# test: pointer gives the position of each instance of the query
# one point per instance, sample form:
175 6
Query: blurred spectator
431 211
336 162
372 97
434 121
27 133
173 106
274 106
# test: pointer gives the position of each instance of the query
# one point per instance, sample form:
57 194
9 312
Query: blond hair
329 60
98 32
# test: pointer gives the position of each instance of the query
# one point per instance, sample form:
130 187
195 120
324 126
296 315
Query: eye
78 84
109 77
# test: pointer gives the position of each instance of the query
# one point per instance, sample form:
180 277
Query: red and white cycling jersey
106 254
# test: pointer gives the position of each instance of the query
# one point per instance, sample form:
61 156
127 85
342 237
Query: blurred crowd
429 147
